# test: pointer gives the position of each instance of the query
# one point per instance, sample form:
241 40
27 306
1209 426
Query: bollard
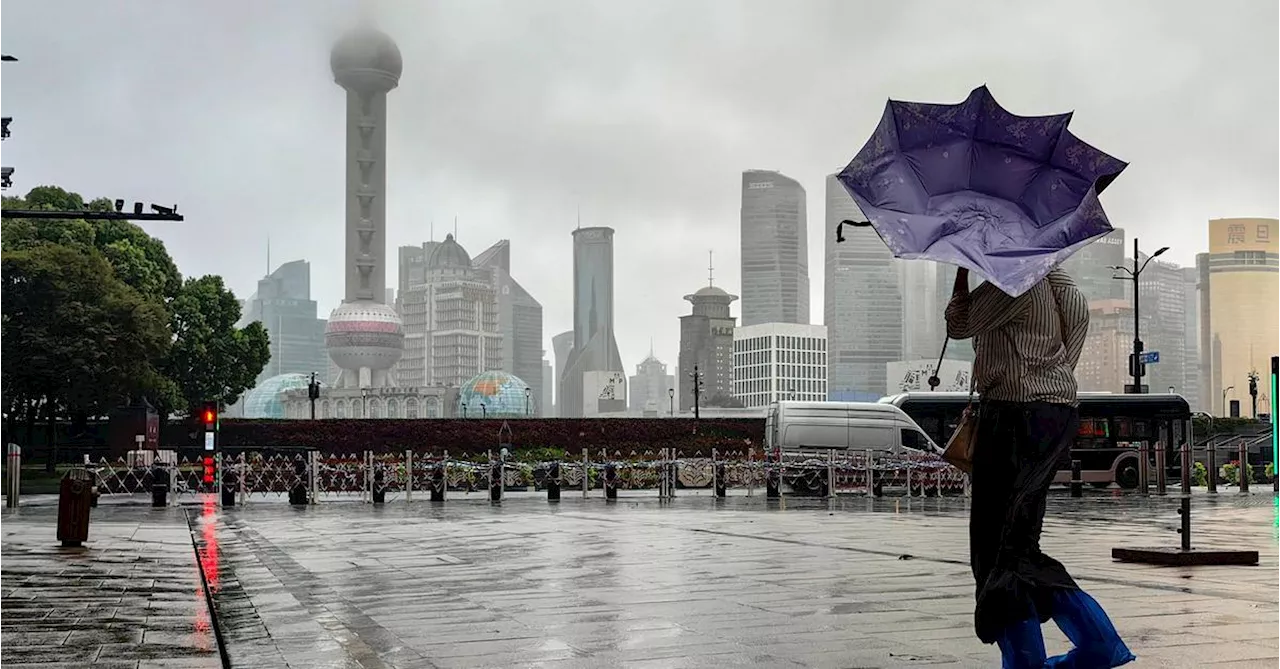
159 486
1185 466
772 477
610 481
671 472
719 473
242 473
231 481
1184 525
437 482
1211 464
586 473
909 492
379 488
1144 469
871 473
553 482
1077 486
13 476
830 483
1242 471
297 491
495 480
1162 472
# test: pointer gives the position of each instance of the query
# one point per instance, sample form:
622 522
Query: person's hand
961 286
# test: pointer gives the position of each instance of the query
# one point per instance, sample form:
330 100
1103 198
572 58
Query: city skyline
665 176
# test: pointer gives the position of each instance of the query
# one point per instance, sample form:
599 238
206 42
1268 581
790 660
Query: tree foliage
96 313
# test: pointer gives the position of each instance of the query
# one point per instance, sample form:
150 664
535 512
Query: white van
858 426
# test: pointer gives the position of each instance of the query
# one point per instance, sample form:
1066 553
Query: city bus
1111 425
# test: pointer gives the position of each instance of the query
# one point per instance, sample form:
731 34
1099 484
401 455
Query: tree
76 338
722 401
212 359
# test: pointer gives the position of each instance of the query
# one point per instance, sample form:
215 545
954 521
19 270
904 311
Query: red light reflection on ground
207 555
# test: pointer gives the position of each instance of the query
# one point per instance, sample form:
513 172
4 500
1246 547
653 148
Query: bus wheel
1127 475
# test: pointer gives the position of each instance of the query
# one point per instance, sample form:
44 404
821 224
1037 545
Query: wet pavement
131 597
691 583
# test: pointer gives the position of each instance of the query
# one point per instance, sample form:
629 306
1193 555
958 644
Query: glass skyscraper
775 249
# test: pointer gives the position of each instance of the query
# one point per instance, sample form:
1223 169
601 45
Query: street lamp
483 412
364 402
1224 399
1136 368
696 376
528 394
671 397
1253 391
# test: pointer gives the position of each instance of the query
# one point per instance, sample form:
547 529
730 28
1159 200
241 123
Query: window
411 408
914 440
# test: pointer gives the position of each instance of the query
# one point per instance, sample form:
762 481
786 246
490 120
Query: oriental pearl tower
365 336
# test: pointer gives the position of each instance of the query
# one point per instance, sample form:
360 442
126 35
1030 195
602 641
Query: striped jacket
1026 347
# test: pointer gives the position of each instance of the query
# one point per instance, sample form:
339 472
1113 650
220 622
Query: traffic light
208 469
209 415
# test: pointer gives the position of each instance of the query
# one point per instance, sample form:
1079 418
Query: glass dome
263 401
495 394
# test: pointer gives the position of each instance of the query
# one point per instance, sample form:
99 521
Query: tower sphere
366 59
364 335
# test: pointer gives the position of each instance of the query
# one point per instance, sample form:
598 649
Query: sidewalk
132 597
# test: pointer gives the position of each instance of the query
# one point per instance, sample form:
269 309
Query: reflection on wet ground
695 582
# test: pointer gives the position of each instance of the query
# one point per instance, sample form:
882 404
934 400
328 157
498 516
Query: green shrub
1199 475
1231 473
1270 471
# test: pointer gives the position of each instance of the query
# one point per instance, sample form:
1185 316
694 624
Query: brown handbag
959 450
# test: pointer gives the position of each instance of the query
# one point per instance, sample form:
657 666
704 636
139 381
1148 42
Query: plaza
640 582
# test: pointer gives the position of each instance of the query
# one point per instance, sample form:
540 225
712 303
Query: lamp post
313 394
671 398
528 394
696 376
364 402
1136 368
1224 399
1253 391
484 413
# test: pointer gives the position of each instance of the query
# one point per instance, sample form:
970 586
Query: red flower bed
469 436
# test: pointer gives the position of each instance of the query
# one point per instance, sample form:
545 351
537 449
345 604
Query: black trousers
1015 457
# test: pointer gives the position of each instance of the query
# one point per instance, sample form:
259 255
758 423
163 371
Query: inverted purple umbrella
1009 197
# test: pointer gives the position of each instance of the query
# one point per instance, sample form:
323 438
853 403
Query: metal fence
415 475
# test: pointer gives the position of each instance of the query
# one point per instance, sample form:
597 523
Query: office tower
547 401
1190 387
519 320
561 345
594 348
1091 267
1163 312
706 341
775 249
1108 344
284 306
863 303
649 387
779 361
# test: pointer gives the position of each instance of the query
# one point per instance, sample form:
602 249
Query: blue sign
1150 357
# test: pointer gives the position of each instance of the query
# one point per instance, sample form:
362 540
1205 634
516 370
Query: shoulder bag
959 449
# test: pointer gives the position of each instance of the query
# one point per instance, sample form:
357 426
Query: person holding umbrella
1026 349
1009 197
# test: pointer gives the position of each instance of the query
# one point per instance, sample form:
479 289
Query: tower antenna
268 255
711 267
433 229
579 215
455 227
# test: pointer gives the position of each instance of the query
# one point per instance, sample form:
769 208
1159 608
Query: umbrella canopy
1007 196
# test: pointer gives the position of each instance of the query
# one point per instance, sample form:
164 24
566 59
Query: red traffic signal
208 469
209 415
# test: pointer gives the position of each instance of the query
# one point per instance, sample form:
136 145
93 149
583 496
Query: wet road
696 582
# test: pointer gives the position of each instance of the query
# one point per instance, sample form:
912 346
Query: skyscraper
284 306
862 306
594 348
649 386
561 345
1091 267
364 335
775 249
519 320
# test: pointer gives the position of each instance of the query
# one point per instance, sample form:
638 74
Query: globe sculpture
264 399
495 394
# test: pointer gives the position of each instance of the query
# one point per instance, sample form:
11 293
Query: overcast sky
513 114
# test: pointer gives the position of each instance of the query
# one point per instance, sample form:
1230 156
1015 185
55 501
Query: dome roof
263 400
502 394
364 334
448 253
366 51
711 292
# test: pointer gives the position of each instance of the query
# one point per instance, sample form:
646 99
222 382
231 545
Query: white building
913 375
603 393
779 361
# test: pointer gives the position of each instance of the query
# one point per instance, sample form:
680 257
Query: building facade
561 345
1091 267
862 303
1104 367
594 347
519 319
649 388
706 343
775 249
451 322
1240 315
780 361
284 306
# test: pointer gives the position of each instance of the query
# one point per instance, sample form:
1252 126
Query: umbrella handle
841 224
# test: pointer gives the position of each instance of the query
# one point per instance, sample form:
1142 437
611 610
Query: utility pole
1137 369
697 391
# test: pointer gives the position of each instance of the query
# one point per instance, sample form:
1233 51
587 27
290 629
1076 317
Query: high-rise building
451 322
1092 267
413 265
547 401
1108 345
594 347
863 303
1240 315
519 319
1163 311
1190 388
364 335
284 306
775 249
706 342
561 345
649 386
926 288
780 361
